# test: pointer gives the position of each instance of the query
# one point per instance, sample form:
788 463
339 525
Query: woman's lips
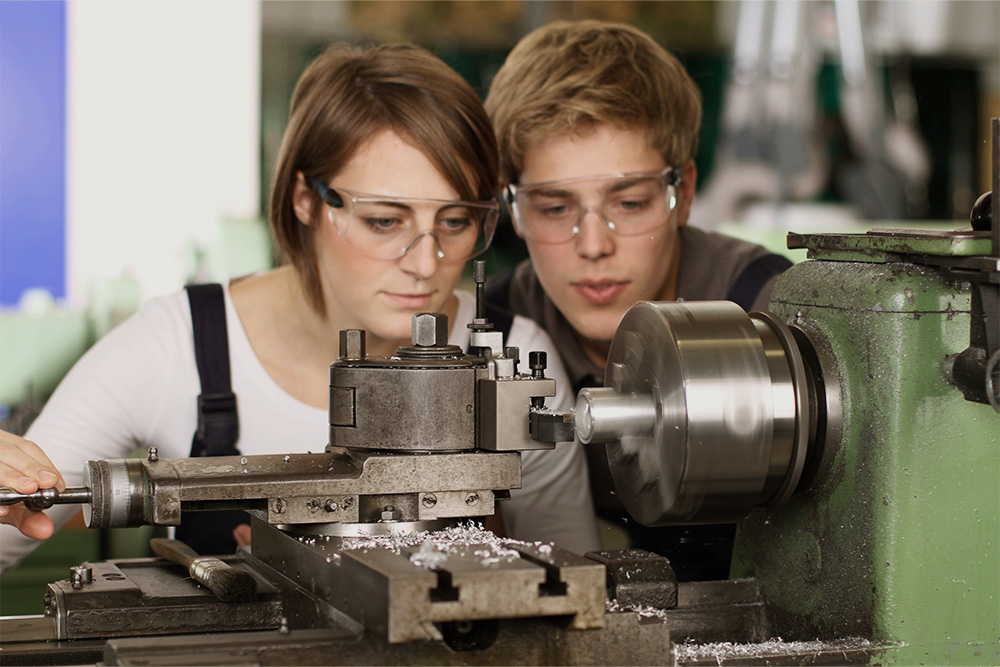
600 292
409 301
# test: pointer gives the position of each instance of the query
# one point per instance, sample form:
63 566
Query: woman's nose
421 256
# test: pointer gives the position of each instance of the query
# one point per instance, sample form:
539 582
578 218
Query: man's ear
685 191
302 199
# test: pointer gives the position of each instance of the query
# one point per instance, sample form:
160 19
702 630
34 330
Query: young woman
384 188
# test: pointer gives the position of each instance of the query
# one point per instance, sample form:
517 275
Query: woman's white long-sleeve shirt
138 387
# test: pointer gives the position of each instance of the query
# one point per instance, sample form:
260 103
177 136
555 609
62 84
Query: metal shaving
434 547
721 651
614 607
545 410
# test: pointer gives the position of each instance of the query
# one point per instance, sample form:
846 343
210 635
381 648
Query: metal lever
46 498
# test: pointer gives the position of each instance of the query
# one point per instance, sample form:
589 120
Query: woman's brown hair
350 94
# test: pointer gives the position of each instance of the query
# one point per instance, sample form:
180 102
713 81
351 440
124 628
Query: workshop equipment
356 550
853 431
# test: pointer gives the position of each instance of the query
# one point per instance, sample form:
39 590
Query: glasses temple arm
674 175
329 195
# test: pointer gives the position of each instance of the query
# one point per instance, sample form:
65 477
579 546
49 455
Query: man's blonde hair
568 76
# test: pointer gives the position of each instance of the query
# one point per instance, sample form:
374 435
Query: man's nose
421 256
593 237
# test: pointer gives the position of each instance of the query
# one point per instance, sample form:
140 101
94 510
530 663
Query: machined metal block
503 412
406 408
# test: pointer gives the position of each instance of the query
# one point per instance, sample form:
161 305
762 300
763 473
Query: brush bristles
231 585
228 584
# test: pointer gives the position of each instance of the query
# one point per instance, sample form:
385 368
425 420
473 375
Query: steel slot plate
402 593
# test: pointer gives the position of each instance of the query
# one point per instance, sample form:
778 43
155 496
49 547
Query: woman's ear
303 199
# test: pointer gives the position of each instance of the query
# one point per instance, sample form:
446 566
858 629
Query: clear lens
386 228
630 204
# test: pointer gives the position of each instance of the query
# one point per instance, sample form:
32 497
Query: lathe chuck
704 412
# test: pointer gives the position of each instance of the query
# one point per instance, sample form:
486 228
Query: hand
242 535
25 468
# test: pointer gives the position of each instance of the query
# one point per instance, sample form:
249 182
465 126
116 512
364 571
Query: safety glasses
383 227
630 204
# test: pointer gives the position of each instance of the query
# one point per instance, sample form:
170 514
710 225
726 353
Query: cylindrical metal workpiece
704 411
604 415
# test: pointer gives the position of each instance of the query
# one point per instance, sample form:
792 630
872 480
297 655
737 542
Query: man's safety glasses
384 227
630 204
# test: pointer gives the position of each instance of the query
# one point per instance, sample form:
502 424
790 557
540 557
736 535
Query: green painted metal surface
880 245
897 539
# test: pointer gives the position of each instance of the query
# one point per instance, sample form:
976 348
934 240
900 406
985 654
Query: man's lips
600 292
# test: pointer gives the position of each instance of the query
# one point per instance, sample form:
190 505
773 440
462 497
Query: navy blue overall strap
754 277
218 422
211 533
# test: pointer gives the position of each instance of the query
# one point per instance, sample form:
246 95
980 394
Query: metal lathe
853 431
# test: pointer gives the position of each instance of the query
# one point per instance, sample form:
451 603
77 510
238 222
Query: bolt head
430 329
352 344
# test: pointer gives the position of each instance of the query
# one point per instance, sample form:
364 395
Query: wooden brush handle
173 550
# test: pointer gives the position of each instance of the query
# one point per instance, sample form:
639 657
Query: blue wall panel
32 148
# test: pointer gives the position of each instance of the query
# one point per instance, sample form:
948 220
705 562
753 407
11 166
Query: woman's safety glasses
387 227
630 204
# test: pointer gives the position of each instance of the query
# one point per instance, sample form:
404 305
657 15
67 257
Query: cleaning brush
228 583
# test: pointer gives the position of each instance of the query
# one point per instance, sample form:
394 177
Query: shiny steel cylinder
603 415
705 412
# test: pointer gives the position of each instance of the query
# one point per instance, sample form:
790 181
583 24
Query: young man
598 127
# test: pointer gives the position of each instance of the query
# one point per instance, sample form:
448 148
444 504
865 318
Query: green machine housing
894 532
853 432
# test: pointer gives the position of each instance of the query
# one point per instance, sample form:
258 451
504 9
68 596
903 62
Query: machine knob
537 361
981 216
